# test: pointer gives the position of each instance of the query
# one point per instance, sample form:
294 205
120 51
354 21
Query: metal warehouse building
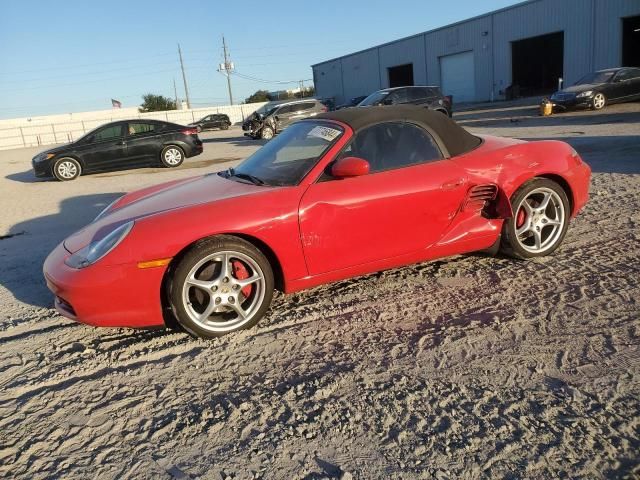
527 46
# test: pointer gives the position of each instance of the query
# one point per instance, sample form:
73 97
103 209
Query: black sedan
217 120
600 88
120 145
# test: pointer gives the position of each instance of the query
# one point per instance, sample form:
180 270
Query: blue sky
70 55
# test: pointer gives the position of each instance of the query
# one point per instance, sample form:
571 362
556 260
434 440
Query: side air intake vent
479 196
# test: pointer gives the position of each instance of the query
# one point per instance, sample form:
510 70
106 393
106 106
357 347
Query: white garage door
457 77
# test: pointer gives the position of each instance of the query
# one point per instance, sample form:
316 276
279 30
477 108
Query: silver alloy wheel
540 219
599 101
220 302
267 133
172 156
67 169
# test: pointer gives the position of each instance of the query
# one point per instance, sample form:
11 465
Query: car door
628 87
617 88
634 84
144 143
402 206
211 122
104 148
417 96
283 116
301 110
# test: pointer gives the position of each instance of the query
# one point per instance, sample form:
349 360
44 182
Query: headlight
44 156
96 250
106 209
588 93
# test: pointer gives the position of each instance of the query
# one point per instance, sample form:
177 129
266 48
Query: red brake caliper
240 272
520 217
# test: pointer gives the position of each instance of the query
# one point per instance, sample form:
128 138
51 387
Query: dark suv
275 117
217 120
428 96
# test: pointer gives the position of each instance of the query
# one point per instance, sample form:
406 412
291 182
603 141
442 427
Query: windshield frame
296 181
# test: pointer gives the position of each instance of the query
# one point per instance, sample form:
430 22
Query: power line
262 80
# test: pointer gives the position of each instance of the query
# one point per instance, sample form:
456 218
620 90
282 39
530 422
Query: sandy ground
470 367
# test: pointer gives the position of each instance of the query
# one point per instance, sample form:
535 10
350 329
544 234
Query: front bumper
572 102
41 169
105 295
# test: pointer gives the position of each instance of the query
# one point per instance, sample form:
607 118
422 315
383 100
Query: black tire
225 127
536 226
172 156
266 133
201 251
66 169
599 101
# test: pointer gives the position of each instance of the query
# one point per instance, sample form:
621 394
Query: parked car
216 120
598 89
120 145
339 195
351 103
273 118
427 96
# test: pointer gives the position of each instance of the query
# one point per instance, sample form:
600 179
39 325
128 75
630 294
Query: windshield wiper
245 176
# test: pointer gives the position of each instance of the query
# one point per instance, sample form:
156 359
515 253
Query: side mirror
387 101
350 167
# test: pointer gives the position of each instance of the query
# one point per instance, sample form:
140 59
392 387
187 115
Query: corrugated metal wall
592 40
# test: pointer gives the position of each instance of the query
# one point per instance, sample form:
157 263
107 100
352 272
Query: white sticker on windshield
325 133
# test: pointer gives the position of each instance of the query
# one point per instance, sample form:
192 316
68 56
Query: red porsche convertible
343 194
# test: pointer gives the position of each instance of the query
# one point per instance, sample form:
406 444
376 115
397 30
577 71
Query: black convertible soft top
454 138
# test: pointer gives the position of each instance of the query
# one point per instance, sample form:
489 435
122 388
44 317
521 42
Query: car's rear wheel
172 156
66 169
225 126
599 101
266 133
221 285
540 219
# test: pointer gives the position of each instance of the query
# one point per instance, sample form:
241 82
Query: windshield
287 159
374 99
595 77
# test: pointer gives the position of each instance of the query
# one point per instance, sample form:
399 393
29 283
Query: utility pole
175 92
184 78
227 66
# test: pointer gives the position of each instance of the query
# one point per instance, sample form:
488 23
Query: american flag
116 103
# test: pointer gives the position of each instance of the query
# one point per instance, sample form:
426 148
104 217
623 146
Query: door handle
122 142
452 184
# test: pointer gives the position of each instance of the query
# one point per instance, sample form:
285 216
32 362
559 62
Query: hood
56 149
580 88
209 188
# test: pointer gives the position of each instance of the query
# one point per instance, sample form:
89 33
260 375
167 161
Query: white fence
54 129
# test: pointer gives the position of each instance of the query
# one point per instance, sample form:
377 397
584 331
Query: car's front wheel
66 169
266 133
540 219
599 101
172 156
221 285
